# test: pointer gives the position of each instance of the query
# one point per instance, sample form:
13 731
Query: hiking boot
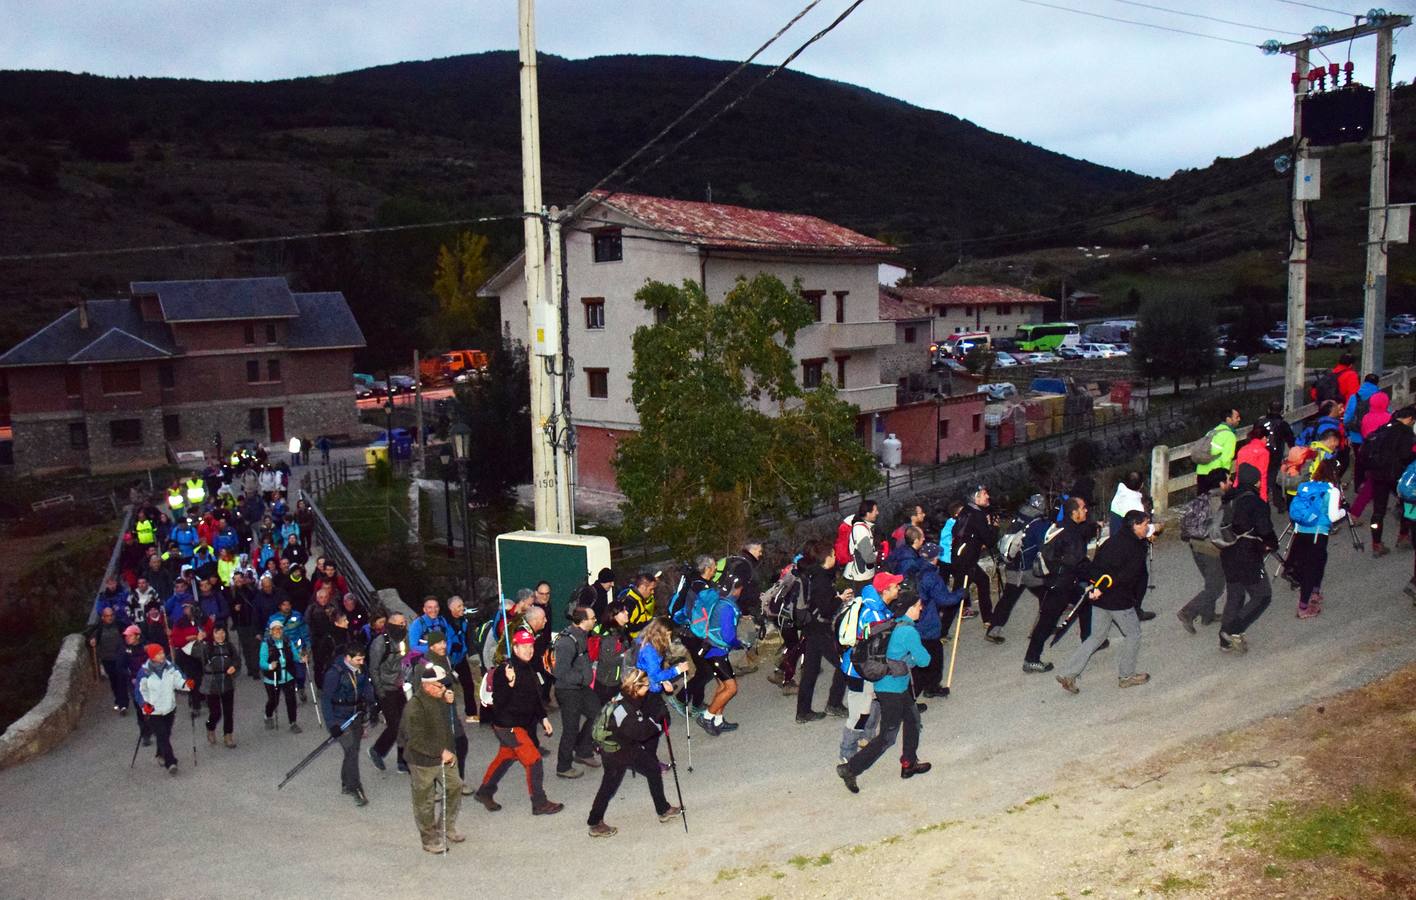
172 770
841 712
230 741
486 799
377 760
810 717
725 725
211 736
1144 615
1068 684
546 808
1032 667
303 698
789 689
1187 621
147 740
1135 680
673 812
776 677
433 848
709 726
589 761
1227 643
994 635
360 798
1103 645
1241 643
844 771
572 772
921 707
1207 621
1309 611
295 728
910 771
603 830
1379 550
933 692
270 724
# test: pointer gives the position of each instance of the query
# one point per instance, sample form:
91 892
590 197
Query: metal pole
565 507
418 402
1374 286
447 508
1295 358
467 547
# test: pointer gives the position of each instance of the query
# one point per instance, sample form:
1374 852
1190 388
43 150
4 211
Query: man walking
386 671
974 533
1196 525
347 692
1122 560
577 699
1064 559
426 736
1218 453
1243 561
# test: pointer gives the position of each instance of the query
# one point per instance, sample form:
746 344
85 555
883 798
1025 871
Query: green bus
1045 336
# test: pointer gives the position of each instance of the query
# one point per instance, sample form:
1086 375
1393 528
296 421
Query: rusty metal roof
965 295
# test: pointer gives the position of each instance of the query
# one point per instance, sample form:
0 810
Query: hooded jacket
1378 414
157 686
1123 557
573 663
386 659
872 609
651 662
972 534
937 598
1255 453
216 659
519 705
905 646
277 661
1244 560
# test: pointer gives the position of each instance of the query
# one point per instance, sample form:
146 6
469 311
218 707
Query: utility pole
1374 285
543 316
561 430
418 407
1295 358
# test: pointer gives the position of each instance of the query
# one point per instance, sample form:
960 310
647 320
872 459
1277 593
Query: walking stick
1076 609
958 629
139 744
193 720
93 655
310 683
673 767
442 783
324 745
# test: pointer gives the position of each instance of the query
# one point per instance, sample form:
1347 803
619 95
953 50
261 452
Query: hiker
1243 561
653 648
858 548
386 653
817 567
628 734
1063 561
134 657
1255 452
1197 524
347 692
1316 508
894 694
639 600
700 593
719 639
278 665
612 643
1279 435
914 517
1389 451
974 533
458 628
425 739
1216 448
220 660
578 703
1122 558
438 655
1354 412
158 682
861 714
516 709
937 604
106 638
430 620
1128 497
1018 547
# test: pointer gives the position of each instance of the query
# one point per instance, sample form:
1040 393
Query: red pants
516 746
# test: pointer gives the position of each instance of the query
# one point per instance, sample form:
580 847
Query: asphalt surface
78 822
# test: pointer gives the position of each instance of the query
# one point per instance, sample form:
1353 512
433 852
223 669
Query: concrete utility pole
565 507
1374 286
418 407
1295 360
543 316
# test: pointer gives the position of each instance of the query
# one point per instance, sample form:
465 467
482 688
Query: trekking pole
193 720
1356 541
139 744
442 782
1077 609
324 745
958 629
314 698
673 767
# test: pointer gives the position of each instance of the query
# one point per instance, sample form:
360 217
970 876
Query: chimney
83 314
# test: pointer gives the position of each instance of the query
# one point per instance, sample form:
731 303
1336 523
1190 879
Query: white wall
986 318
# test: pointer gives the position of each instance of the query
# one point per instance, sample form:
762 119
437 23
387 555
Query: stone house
123 384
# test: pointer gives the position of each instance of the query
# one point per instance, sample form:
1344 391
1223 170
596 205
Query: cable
1083 12
1340 12
1181 12
236 242
619 169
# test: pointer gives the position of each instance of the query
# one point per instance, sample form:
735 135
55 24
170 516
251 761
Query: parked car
1400 329
402 384
1072 352
1090 351
1244 363
364 379
1276 344
362 390
1004 361
378 389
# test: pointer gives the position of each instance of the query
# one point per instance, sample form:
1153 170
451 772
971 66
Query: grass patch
1344 830
937 826
1170 883
801 862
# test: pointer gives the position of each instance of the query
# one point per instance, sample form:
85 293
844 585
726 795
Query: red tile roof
966 295
893 308
720 225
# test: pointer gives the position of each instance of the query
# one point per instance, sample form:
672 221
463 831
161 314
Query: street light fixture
445 458
461 445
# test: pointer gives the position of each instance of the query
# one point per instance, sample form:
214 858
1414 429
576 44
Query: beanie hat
435 637
154 651
606 575
523 636
131 630
1248 475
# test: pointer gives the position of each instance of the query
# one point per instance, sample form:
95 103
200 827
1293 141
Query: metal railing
334 549
112 566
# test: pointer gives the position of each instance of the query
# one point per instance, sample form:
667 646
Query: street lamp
445 457
461 445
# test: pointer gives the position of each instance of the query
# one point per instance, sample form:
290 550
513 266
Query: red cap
884 579
153 650
132 630
523 636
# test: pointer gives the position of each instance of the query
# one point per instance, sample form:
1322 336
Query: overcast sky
1119 94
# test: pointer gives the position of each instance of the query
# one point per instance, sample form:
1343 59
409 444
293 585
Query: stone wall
47 725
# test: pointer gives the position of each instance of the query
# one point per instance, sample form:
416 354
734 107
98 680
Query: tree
1174 340
462 317
708 460
497 407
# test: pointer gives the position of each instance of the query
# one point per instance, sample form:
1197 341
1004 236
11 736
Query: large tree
727 434
1174 340
497 407
462 319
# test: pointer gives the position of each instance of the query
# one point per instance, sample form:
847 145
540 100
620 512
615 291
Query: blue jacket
344 691
418 632
267 554
214 605
283 655
186 537
727 625
286 530
872 609
296 631
937 597
904 645
459 632
946 542
226 539
118 600
905 560
173 605
1349 413
651 663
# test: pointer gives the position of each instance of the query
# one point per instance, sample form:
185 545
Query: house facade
615 243
993 309
120 384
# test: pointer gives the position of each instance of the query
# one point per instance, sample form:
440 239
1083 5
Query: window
1004 309
841 371
272 370
814 298
78 436
121 380
608 245
943 429
126 432
165 377
661 315
841 305
811 371
598 383
73 383
270 332
250 333
957 329
977 421
941 312
171 426
594 312
253 371
255 420
909 334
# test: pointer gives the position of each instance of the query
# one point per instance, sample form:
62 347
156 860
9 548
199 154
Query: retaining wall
47 725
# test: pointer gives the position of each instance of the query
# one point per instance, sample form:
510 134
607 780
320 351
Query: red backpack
843 541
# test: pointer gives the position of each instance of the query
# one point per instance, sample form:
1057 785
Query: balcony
875 398
860 335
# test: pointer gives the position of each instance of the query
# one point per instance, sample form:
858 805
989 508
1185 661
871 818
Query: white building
615 243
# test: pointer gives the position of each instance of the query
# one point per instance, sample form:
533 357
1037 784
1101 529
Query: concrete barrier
47 725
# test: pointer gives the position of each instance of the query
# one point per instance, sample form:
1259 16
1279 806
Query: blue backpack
1406 486
1309 506
680 603
713 631
946 542
1033 537
703 612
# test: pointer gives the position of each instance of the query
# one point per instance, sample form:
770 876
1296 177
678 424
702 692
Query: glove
147 709
334 731
190 684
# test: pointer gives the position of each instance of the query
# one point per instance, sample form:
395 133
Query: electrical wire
240 242
619 169
1340 12
1181 12
1095 15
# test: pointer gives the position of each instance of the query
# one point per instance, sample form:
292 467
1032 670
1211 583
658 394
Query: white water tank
890 452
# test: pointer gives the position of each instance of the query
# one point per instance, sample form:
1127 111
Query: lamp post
461 445
445 457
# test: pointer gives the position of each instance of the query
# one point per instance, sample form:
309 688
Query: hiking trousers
818 646
635 759
1128 622
927 678
162 729
1239 613
515 745
273 695
579 706
1382 493
349 742
974 575
1203 604
1049 614
430 784
862 716
1307 556
221 708
117 672
392 704
896 710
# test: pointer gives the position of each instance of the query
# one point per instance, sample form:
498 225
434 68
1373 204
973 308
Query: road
78 821
429 394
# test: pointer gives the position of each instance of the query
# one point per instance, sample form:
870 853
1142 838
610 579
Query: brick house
118 384
614 243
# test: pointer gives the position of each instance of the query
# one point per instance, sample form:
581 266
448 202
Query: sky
1115 93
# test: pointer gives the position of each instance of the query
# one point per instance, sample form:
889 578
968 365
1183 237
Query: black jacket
637 723
1244 561
1066 554
1388 451
1123 557
973 535
818 587
519 705
1278 434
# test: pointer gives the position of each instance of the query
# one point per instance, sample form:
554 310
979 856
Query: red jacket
1255 453
1348 381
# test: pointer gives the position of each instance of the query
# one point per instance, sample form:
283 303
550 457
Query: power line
619 169
238 242
1094 15
1181 12
1340 12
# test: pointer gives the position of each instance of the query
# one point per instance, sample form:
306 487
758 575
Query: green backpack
602 733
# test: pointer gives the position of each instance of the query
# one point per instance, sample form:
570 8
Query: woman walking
221 661
1315 509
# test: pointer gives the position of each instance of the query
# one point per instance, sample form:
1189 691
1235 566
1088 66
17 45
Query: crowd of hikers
215 578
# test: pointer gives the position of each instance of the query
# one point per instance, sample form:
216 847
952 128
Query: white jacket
159 689
862 546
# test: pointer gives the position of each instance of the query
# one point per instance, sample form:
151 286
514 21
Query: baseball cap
523 636
884 579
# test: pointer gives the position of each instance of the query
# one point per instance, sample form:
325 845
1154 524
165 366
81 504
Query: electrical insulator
1376 14
1320 31
1347 68
1296 79
1271 47
1332 73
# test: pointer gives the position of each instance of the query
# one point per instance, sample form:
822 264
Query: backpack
484 690
713 630
1222 531
1010 542
1204 454
1044 563
946 542
842 547
1383 449
1406 485
870 658
1033 537
1196 519
781 599
679 603
1296 467
1325 387
702 612
1359 409
406 668
846 622
602 732
593 647
1308 509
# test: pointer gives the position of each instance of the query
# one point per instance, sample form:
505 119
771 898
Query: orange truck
446 366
